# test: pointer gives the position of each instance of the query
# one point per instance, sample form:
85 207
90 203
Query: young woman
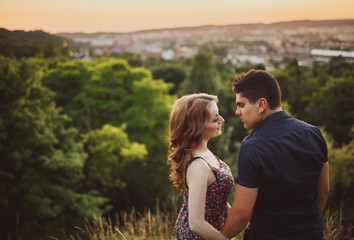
205 179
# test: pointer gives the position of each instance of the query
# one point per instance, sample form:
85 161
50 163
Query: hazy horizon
176 27
90 16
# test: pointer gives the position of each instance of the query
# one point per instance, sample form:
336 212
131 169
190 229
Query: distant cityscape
308 41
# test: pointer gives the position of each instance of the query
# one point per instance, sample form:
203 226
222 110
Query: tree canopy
41 164
203 76
331 107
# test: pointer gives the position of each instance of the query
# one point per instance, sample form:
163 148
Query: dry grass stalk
334 228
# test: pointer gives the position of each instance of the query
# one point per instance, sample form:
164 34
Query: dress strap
213 169
204 161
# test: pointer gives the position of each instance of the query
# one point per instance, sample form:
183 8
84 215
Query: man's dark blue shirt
283 157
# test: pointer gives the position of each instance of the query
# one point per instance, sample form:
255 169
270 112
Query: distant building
332 53
115 49
102 41
243 59
307 62
168 54
187 52
149 51
269 67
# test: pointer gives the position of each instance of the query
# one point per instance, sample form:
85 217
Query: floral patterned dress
217 195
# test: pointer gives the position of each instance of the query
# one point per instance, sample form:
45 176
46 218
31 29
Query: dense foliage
41 164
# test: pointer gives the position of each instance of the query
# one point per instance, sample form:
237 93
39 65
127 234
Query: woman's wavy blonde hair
188 119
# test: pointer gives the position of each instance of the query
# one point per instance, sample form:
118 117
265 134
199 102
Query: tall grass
334 228
159 226
146 226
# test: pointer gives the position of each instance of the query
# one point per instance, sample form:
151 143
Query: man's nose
238 112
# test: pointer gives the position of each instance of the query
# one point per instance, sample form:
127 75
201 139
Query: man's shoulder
301 132
302 126
279 129
302 123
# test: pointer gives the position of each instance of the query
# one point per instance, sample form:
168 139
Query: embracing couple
282 182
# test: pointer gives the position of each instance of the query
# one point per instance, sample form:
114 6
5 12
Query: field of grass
159 226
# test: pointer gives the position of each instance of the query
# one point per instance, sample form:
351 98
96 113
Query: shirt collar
270 119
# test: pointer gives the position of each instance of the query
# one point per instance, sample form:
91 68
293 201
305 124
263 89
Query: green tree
41 163
111 155
332 107
247 66
65 51
203 76
300 87
341 178
170 74
283 81
49 49
6 48
218 51
67 80
339 67
118 94
132 59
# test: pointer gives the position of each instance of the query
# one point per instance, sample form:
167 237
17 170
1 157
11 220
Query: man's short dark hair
256 84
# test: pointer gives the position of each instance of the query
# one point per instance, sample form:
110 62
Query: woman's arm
323 186
197 180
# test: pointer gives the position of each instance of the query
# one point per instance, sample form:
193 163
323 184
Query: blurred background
86 89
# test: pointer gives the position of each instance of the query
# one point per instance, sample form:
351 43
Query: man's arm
241 210
323 186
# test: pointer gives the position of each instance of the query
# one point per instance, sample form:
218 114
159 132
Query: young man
282 183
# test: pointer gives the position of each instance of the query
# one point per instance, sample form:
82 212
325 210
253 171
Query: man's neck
269 112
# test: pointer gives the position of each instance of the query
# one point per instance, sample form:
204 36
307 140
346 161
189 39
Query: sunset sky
131 15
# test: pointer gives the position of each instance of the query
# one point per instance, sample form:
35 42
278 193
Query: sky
89 16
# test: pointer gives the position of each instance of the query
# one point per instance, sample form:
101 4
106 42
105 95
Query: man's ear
262 105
